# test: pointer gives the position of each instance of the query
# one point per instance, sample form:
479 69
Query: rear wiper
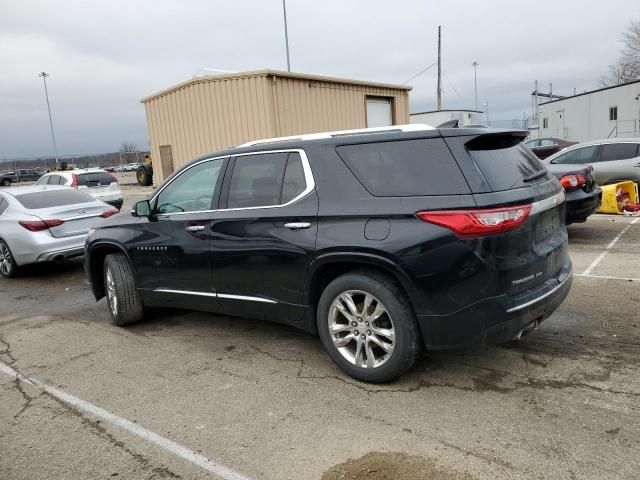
535 176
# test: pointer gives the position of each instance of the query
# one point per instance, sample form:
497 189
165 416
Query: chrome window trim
226 296
541 297
306 168
547 203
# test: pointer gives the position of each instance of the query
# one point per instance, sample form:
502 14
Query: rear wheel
8 267
368 327
6 182
123 299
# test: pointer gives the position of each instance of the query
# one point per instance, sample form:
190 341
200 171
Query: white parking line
178 450
608 277
595 263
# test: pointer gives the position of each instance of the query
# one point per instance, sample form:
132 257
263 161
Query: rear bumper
495 320
42 247
581 205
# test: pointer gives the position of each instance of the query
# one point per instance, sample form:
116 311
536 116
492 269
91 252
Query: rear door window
578 156
53 198
618 151
504 161
405 168
257 180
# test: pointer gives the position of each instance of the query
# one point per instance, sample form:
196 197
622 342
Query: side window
190 191
532 143
3 205
257 180
43 181
294 180
618 151
578 156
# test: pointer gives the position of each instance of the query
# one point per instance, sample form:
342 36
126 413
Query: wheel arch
95 264
328 267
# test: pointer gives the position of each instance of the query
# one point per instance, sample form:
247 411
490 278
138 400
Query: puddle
391 466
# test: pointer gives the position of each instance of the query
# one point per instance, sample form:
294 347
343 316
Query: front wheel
123 299
6 182
368 327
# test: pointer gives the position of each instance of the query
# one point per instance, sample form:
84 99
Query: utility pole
286 33
475 81
439 67
44 76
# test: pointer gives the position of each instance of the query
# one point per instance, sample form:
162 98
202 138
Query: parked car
98 183
583 194
131 167
29 174
45 223
383 241
545 147
613 160
7 178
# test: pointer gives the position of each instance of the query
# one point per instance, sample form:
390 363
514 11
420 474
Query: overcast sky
103 56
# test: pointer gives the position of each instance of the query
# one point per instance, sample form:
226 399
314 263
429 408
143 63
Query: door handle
297 225
194 228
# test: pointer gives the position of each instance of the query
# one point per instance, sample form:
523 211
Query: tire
6 182
144 177
8 265
383 291
120 285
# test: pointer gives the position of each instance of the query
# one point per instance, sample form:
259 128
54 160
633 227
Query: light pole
475 81
44 76
486 105
286 33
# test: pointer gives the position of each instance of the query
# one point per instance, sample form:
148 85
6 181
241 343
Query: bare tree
128 147
627 68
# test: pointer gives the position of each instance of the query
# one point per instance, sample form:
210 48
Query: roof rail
413 127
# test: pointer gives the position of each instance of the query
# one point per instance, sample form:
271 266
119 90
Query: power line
451 85
419 73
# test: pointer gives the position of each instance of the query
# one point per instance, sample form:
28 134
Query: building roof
591 91
271 73
448 110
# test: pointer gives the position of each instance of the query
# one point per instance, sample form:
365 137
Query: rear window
95 179
504 161
53 198
405 168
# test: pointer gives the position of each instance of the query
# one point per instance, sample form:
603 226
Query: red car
545 147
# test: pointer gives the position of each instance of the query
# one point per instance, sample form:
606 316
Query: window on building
613 113
545 122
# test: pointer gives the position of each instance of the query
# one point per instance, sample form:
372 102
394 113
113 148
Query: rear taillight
573 181
109 213
478 223
74 181
39 225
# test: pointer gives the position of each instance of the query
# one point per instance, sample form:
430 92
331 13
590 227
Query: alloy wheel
5 259
361 329
111 292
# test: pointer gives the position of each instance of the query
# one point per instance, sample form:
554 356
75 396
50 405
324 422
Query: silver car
613 159
45 223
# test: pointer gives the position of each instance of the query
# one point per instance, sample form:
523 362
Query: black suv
383 242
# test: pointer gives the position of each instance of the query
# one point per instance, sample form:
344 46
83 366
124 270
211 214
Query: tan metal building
206 114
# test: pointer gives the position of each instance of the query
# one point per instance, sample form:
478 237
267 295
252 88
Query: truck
144 173
7 178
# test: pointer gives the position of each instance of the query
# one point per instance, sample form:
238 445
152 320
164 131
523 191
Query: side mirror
141 209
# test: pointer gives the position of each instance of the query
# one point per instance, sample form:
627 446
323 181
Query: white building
604 113
436 117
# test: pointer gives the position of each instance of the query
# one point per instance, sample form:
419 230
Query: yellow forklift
144 173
